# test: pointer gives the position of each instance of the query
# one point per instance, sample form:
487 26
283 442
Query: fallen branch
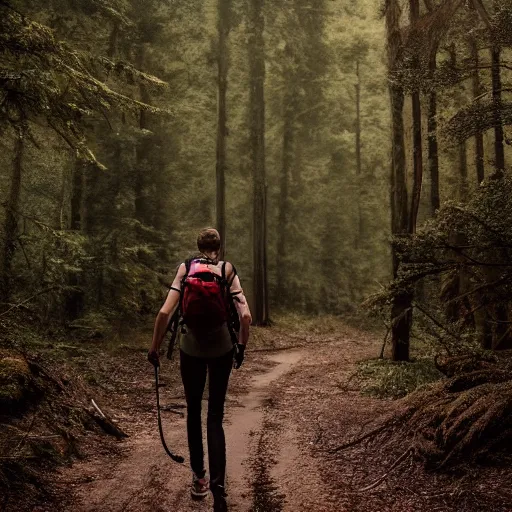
362 438
100 412
170 408
24 438
106 423
19 304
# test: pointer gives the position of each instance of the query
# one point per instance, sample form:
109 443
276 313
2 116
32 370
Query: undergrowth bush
383 378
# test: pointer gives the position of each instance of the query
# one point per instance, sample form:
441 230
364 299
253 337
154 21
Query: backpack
204 302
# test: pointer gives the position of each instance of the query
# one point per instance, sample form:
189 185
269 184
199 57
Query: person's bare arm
242 307
165 313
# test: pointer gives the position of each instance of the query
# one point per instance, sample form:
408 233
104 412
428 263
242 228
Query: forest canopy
113 150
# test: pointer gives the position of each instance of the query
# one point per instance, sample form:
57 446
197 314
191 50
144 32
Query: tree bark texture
477 91
416 137
499 149
257 131
11 216
359 236
142 152
463 172
401 315
79 196
284 192
433 148
223 27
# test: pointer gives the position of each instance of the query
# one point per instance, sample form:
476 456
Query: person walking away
202 289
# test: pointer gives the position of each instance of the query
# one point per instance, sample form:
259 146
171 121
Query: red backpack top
205 296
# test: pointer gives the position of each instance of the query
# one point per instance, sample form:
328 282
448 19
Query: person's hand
153 357
239 355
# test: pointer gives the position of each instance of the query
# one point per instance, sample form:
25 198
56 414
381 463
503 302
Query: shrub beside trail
43 415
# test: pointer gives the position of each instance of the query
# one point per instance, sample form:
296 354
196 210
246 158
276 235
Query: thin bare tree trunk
417 139
142 151
284 192
11 216
223 27
499 148
477 91
463 170
433 149
257 121
359 235
401 315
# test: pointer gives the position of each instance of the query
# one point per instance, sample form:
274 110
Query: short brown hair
208 240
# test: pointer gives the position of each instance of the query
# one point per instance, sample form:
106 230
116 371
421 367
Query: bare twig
100 412
19 304
358 440
388 472
381 356
24 438
437 322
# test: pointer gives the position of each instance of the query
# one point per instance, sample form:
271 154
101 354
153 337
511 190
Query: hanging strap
227 284
176 458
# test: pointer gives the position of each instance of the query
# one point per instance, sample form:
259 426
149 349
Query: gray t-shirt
212 343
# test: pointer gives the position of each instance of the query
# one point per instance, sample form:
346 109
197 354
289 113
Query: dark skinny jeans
193 375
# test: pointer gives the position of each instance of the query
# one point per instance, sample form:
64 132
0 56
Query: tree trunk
499 149
11 216
75 299
401 312
417 161
463 169
78 197
284 191
433 149
257 121
479 137
359 236
401 315
416 134
223 27
142 151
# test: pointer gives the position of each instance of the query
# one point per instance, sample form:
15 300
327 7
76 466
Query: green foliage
44 78
466 249
388 379
94 242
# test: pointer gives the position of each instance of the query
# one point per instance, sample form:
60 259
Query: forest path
270 436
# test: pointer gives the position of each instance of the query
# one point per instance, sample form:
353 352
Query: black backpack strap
174 322
235 273
224 276
232 312
173 327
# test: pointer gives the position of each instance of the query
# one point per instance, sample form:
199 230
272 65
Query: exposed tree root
358 440
464 418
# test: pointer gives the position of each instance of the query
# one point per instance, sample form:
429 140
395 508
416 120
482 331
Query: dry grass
383 378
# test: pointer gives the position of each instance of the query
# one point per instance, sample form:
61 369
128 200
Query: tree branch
19 304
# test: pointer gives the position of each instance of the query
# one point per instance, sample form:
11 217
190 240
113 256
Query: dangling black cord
175 458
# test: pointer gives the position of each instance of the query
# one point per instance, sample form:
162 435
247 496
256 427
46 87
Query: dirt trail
286 411
145 479
242 427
